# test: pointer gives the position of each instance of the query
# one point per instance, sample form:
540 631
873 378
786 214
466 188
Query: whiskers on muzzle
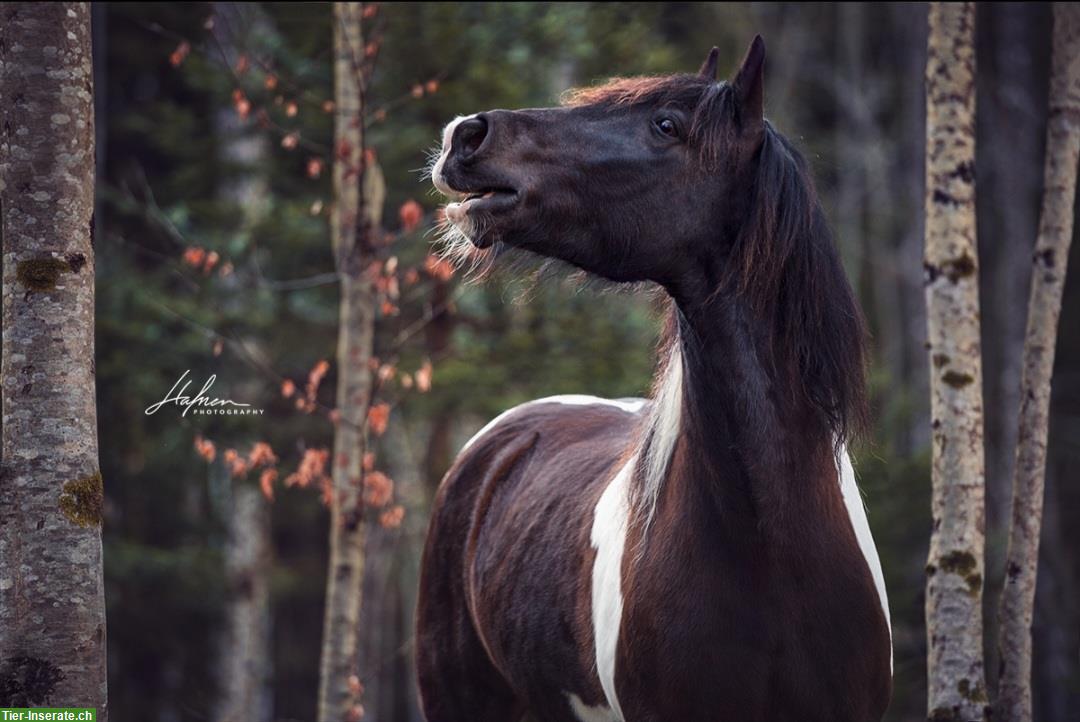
453 244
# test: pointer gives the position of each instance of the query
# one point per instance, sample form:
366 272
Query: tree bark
954 623
52 604
246 653
1044 308
356 216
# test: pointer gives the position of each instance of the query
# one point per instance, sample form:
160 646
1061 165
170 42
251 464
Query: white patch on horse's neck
662 433
608 538
856 510
585 713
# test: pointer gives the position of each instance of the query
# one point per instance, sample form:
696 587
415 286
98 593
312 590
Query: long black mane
786 267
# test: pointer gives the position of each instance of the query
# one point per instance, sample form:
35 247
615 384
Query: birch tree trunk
1044 308
356 214
52 605
246 654
954 624
245 647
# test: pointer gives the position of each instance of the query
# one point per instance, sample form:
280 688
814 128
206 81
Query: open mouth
487 201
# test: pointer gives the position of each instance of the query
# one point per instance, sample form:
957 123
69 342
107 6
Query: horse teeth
489 194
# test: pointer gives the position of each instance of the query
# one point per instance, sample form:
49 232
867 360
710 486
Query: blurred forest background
214 136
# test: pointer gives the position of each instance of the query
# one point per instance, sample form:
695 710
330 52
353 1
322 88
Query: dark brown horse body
703 555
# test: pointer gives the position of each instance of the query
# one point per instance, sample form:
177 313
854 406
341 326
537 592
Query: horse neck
744 444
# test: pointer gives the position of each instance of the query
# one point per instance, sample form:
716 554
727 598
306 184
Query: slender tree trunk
1044 308
356 215
956 682
52 604
245 645
246 654
1010 181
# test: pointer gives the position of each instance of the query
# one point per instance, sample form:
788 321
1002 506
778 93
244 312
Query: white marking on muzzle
447 142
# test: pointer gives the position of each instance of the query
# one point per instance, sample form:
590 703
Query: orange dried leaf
378 418
261 455
235 463
194 256
423 377
410 213
180 54
392 517
241 103
266 483
378 489
437 268
205 448
212 259
312 469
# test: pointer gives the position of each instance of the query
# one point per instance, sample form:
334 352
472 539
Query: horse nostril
469 136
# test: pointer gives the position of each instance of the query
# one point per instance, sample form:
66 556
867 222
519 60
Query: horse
703 554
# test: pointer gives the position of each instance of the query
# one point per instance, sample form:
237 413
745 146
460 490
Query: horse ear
708 68
749 82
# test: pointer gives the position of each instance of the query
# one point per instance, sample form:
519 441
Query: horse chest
707 625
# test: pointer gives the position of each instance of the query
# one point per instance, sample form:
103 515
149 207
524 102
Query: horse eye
667 127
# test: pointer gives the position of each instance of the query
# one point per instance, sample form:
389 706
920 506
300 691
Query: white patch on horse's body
585 713
631 406
663 432
608 538
857 512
